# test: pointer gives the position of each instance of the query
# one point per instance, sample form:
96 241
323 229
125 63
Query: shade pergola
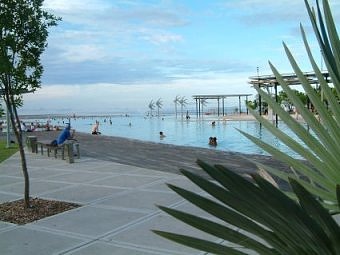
290 78
199 98
266 81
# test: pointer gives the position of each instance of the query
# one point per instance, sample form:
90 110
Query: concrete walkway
117 214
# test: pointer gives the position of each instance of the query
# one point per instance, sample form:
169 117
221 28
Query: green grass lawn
5 153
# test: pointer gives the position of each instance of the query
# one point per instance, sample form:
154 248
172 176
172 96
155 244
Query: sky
109 56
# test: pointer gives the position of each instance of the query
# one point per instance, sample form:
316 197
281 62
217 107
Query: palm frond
257 216
254 216
319 144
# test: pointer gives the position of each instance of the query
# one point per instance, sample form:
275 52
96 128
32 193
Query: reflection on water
193 132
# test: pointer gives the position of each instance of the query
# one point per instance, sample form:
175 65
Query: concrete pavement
118 208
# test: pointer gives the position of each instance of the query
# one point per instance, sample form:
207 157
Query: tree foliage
23 38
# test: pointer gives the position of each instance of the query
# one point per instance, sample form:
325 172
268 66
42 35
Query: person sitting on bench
63 136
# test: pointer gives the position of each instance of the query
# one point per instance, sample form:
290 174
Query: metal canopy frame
199 98
290 78
267 81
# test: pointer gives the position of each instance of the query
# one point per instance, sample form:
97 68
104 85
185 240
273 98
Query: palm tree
183 102
256 216
176 101
151 107
159 105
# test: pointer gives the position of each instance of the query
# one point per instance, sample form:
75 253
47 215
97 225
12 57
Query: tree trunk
18 134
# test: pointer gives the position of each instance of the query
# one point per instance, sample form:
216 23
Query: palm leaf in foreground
319 144
256 216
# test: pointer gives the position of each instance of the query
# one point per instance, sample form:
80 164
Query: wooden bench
66 146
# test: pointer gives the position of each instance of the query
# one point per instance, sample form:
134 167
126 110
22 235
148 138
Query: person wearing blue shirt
63 136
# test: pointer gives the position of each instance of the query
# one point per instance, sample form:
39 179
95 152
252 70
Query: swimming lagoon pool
179 131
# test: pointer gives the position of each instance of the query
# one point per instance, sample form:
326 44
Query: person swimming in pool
161 135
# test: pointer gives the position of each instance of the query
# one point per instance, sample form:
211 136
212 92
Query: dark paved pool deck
160 156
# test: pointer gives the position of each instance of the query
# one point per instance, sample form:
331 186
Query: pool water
178 131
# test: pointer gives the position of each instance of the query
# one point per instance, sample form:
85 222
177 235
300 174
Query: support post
69 150
260 105
196 108
276 99
239 104
199 107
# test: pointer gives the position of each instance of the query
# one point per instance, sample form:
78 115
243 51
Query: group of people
37 126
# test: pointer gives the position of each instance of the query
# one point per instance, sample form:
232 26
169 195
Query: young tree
176 102
151 107
23 38
159 105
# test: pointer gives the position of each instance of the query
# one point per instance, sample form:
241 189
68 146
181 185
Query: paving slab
178 181
82 194
90 221
6 225
37 187
127 180
142 200
88 165
77 177
26 241
152 241
105 248
8 180
44 173
6 197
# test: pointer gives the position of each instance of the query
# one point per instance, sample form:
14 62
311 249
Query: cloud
263 12
162 38
119 70
111 41
82 53
106 98
135 51
73 6
111 13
